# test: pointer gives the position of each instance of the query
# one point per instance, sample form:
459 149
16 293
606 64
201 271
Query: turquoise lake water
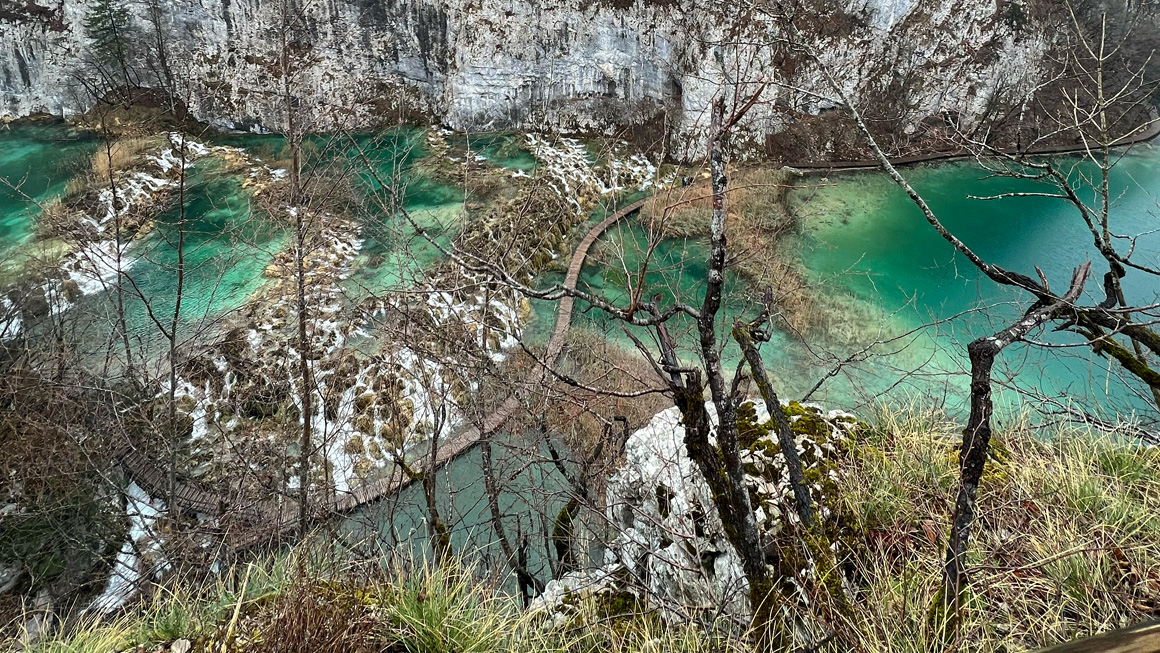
881 270
228 242
38 160
866 235
227 246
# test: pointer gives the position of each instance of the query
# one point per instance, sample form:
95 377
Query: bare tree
1101 118
720 464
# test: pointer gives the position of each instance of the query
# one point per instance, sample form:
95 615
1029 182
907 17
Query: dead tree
977 435
721 463
747 336
292 57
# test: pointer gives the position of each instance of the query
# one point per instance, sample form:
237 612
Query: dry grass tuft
755 201
119 155
1067 545
77 186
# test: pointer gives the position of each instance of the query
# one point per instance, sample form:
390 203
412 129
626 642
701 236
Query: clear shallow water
393 255
505 149
677 270
532 487
227 246
866 235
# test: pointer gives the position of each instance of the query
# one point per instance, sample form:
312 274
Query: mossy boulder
821 438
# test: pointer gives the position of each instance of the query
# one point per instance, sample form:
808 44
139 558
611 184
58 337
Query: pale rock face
885 14
570 65
670 534
668 544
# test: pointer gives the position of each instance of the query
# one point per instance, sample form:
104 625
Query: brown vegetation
761 231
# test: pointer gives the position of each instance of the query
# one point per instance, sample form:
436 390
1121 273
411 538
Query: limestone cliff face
567 65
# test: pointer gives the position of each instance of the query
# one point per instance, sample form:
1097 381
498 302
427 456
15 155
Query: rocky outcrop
571 65
669 548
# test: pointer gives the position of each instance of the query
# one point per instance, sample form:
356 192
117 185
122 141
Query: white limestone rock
668 538
570 65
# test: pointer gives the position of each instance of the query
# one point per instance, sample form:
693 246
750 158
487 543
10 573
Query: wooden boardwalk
155 482
373 490
1151 130
248 526
232 513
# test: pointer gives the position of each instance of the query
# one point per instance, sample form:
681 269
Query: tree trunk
972 460
525 579
730 493
440 534
977 436
174 441
305 386
743 334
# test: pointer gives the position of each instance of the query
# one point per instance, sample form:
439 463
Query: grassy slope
1068 544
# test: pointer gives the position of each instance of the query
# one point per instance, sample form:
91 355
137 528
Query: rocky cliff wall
567 65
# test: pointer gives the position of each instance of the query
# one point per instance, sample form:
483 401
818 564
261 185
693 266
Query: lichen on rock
669 542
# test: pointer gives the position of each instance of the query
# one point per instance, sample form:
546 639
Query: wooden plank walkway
1152 130
369 492
232 514
258 524
155 481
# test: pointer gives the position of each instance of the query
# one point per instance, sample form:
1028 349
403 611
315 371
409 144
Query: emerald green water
227 246
676 270
531 488
505 149
880 271
394 254
38 160
228 243
866 235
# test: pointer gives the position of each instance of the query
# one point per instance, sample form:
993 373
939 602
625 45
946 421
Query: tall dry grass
412 607
120 154
755 201
1067 543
